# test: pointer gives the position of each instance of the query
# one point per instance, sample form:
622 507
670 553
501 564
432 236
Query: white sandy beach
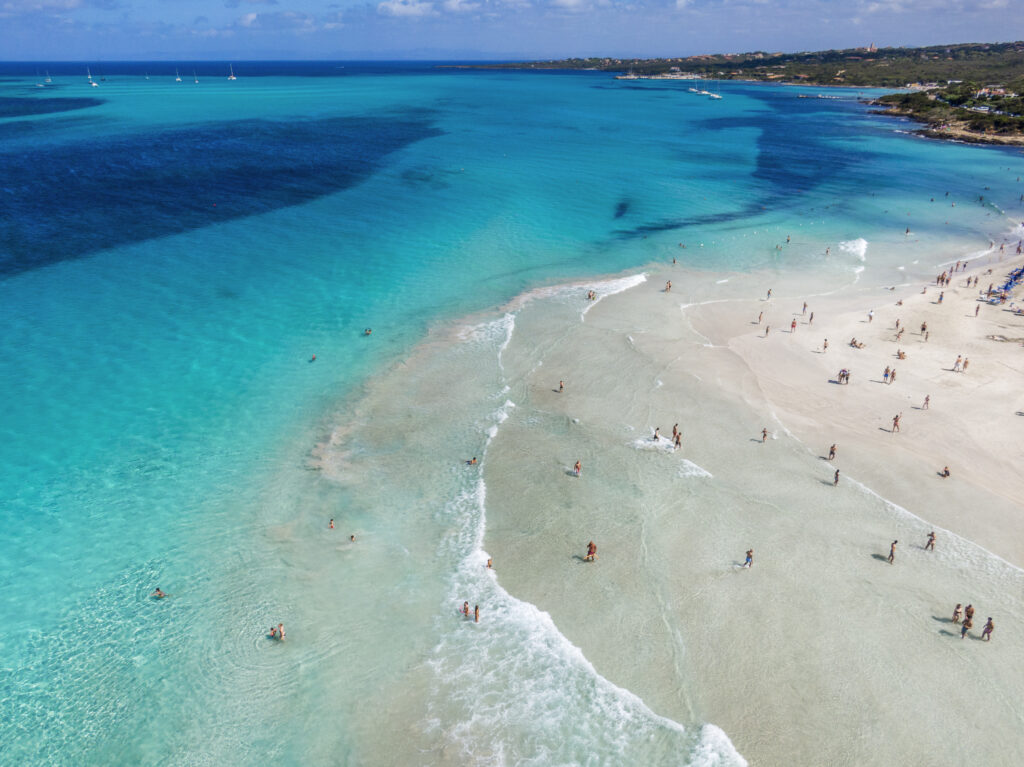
822 653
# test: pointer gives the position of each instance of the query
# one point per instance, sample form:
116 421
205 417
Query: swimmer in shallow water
158 594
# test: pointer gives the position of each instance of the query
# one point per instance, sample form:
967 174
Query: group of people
968 622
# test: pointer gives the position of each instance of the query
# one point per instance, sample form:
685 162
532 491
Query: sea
254 329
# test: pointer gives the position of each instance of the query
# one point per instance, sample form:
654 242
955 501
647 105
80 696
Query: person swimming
158 594
471 462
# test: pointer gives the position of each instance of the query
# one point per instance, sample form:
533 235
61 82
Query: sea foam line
463 660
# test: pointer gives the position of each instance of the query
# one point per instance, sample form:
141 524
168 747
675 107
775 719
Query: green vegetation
864 67
970 91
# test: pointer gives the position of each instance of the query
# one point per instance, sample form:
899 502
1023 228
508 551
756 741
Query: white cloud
406 8
459 6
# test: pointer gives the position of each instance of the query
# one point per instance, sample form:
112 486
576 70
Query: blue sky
349 29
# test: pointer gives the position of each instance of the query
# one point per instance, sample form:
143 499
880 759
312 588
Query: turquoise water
172 257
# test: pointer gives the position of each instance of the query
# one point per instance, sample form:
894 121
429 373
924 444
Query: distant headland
964 92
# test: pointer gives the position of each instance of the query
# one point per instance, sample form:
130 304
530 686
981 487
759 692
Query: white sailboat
715 95
195 77
47 80
231 76
92 82
177 77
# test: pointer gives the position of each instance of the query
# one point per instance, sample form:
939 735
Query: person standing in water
895 424
986 632
591 552
561 386
966 626
832 452
824 347
331 524
476 614
749 561
835 479
930 546
892 551
957 612
578 468
764 435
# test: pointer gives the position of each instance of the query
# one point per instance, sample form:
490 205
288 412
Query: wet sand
822 652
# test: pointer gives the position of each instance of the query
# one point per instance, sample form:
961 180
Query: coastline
649 528
950 132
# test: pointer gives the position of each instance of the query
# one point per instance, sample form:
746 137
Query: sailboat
195 77
92 82
231 76
715 95
177 77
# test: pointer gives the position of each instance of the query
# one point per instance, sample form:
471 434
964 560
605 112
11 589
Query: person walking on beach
805 308
578 468
986 632
930 546
957 613
678 441
966 626
835 479
924 327
760 316
957 365
871 315
668 286
895 424
927 400
656 437
561 386
749 561
832 452
792 326
764 436
977 309
766 329
769 296
591 552
892 375
810 320
885 375
966 363
892 551
675 430
824 346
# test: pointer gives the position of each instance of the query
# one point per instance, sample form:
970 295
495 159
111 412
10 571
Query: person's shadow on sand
880 558
940 619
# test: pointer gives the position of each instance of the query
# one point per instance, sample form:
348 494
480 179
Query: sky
182 30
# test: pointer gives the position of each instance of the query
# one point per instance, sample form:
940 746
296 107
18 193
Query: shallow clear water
173 256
